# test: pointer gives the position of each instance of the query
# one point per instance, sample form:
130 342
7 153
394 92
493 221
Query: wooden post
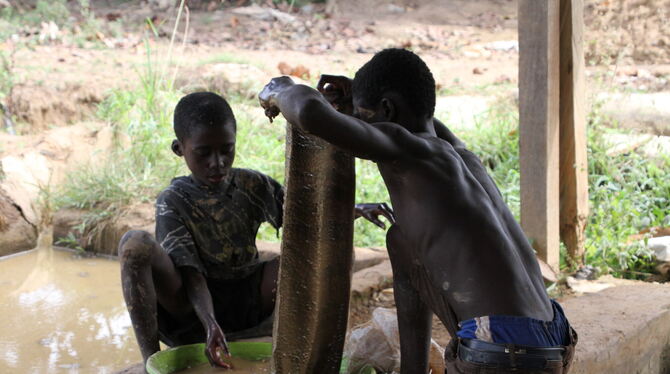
574 195
539 125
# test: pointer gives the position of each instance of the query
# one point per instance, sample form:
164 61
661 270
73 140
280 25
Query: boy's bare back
456 249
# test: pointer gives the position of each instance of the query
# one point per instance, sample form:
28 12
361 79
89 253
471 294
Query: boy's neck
421 127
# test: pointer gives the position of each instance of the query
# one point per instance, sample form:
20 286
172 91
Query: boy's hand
216 344
268 96
372 211
337 90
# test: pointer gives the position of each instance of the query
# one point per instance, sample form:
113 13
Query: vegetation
627 192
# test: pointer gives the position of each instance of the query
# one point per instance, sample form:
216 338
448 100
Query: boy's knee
136 246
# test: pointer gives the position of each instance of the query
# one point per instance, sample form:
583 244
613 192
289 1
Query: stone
658 147
661 247
624 143
587 286
649 112
503 46
25 175
622 330
368 257
264 14
370 280
102 236
16 232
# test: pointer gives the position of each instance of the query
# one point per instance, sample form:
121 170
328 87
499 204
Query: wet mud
63 314
316 257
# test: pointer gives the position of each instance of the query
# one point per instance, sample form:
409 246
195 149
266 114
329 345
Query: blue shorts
519 330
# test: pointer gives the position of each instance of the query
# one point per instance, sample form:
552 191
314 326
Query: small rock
643 73
367 281
394 9
503 46
587 286
630 71
502 79
586 272
478 71
661 247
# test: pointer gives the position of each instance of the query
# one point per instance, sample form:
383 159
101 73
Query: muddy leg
414 316
143 266
269 286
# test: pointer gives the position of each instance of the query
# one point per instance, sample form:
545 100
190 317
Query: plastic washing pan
179 358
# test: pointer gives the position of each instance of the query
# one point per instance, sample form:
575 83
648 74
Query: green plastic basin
179 358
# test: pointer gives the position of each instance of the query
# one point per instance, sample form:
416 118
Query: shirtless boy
202 276
456 250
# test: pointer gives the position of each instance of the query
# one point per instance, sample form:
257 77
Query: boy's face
209 152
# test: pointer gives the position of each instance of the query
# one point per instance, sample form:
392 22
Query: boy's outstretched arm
306 108
201 299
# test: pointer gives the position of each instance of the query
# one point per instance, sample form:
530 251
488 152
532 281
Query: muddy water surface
63 314
240 366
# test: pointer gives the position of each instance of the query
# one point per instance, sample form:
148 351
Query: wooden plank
574 194
539 125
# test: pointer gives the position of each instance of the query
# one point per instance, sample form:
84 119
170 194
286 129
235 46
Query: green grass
627 192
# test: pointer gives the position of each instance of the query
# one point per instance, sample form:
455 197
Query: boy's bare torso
454 232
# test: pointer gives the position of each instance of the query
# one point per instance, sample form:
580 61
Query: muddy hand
371 212
268 96
217 347
337 91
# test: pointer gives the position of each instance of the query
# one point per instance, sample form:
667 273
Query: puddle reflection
63 314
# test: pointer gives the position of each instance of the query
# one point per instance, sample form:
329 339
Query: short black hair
201 109
400 71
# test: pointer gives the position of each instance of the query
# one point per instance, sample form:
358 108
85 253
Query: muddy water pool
63 314
240 366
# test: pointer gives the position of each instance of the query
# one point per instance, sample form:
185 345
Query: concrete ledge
622 330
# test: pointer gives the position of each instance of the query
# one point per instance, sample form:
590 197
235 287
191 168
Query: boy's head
395 84
205 128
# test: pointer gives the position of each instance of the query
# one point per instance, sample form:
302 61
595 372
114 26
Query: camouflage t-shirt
214 229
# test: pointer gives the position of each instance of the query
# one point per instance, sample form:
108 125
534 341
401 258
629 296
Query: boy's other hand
372 211
337 90
268 96
216 344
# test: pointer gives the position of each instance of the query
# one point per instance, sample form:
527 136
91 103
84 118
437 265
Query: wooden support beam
539 125
574 194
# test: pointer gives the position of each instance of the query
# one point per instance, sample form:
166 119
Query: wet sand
63 314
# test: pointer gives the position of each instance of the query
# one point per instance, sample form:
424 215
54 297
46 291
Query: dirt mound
627 31
16 233
42 106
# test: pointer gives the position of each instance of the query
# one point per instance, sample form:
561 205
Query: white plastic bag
376 344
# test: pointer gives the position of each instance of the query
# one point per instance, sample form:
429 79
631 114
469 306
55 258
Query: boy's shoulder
178 187
249 177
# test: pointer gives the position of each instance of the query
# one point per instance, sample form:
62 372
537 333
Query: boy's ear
176 148
388 109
